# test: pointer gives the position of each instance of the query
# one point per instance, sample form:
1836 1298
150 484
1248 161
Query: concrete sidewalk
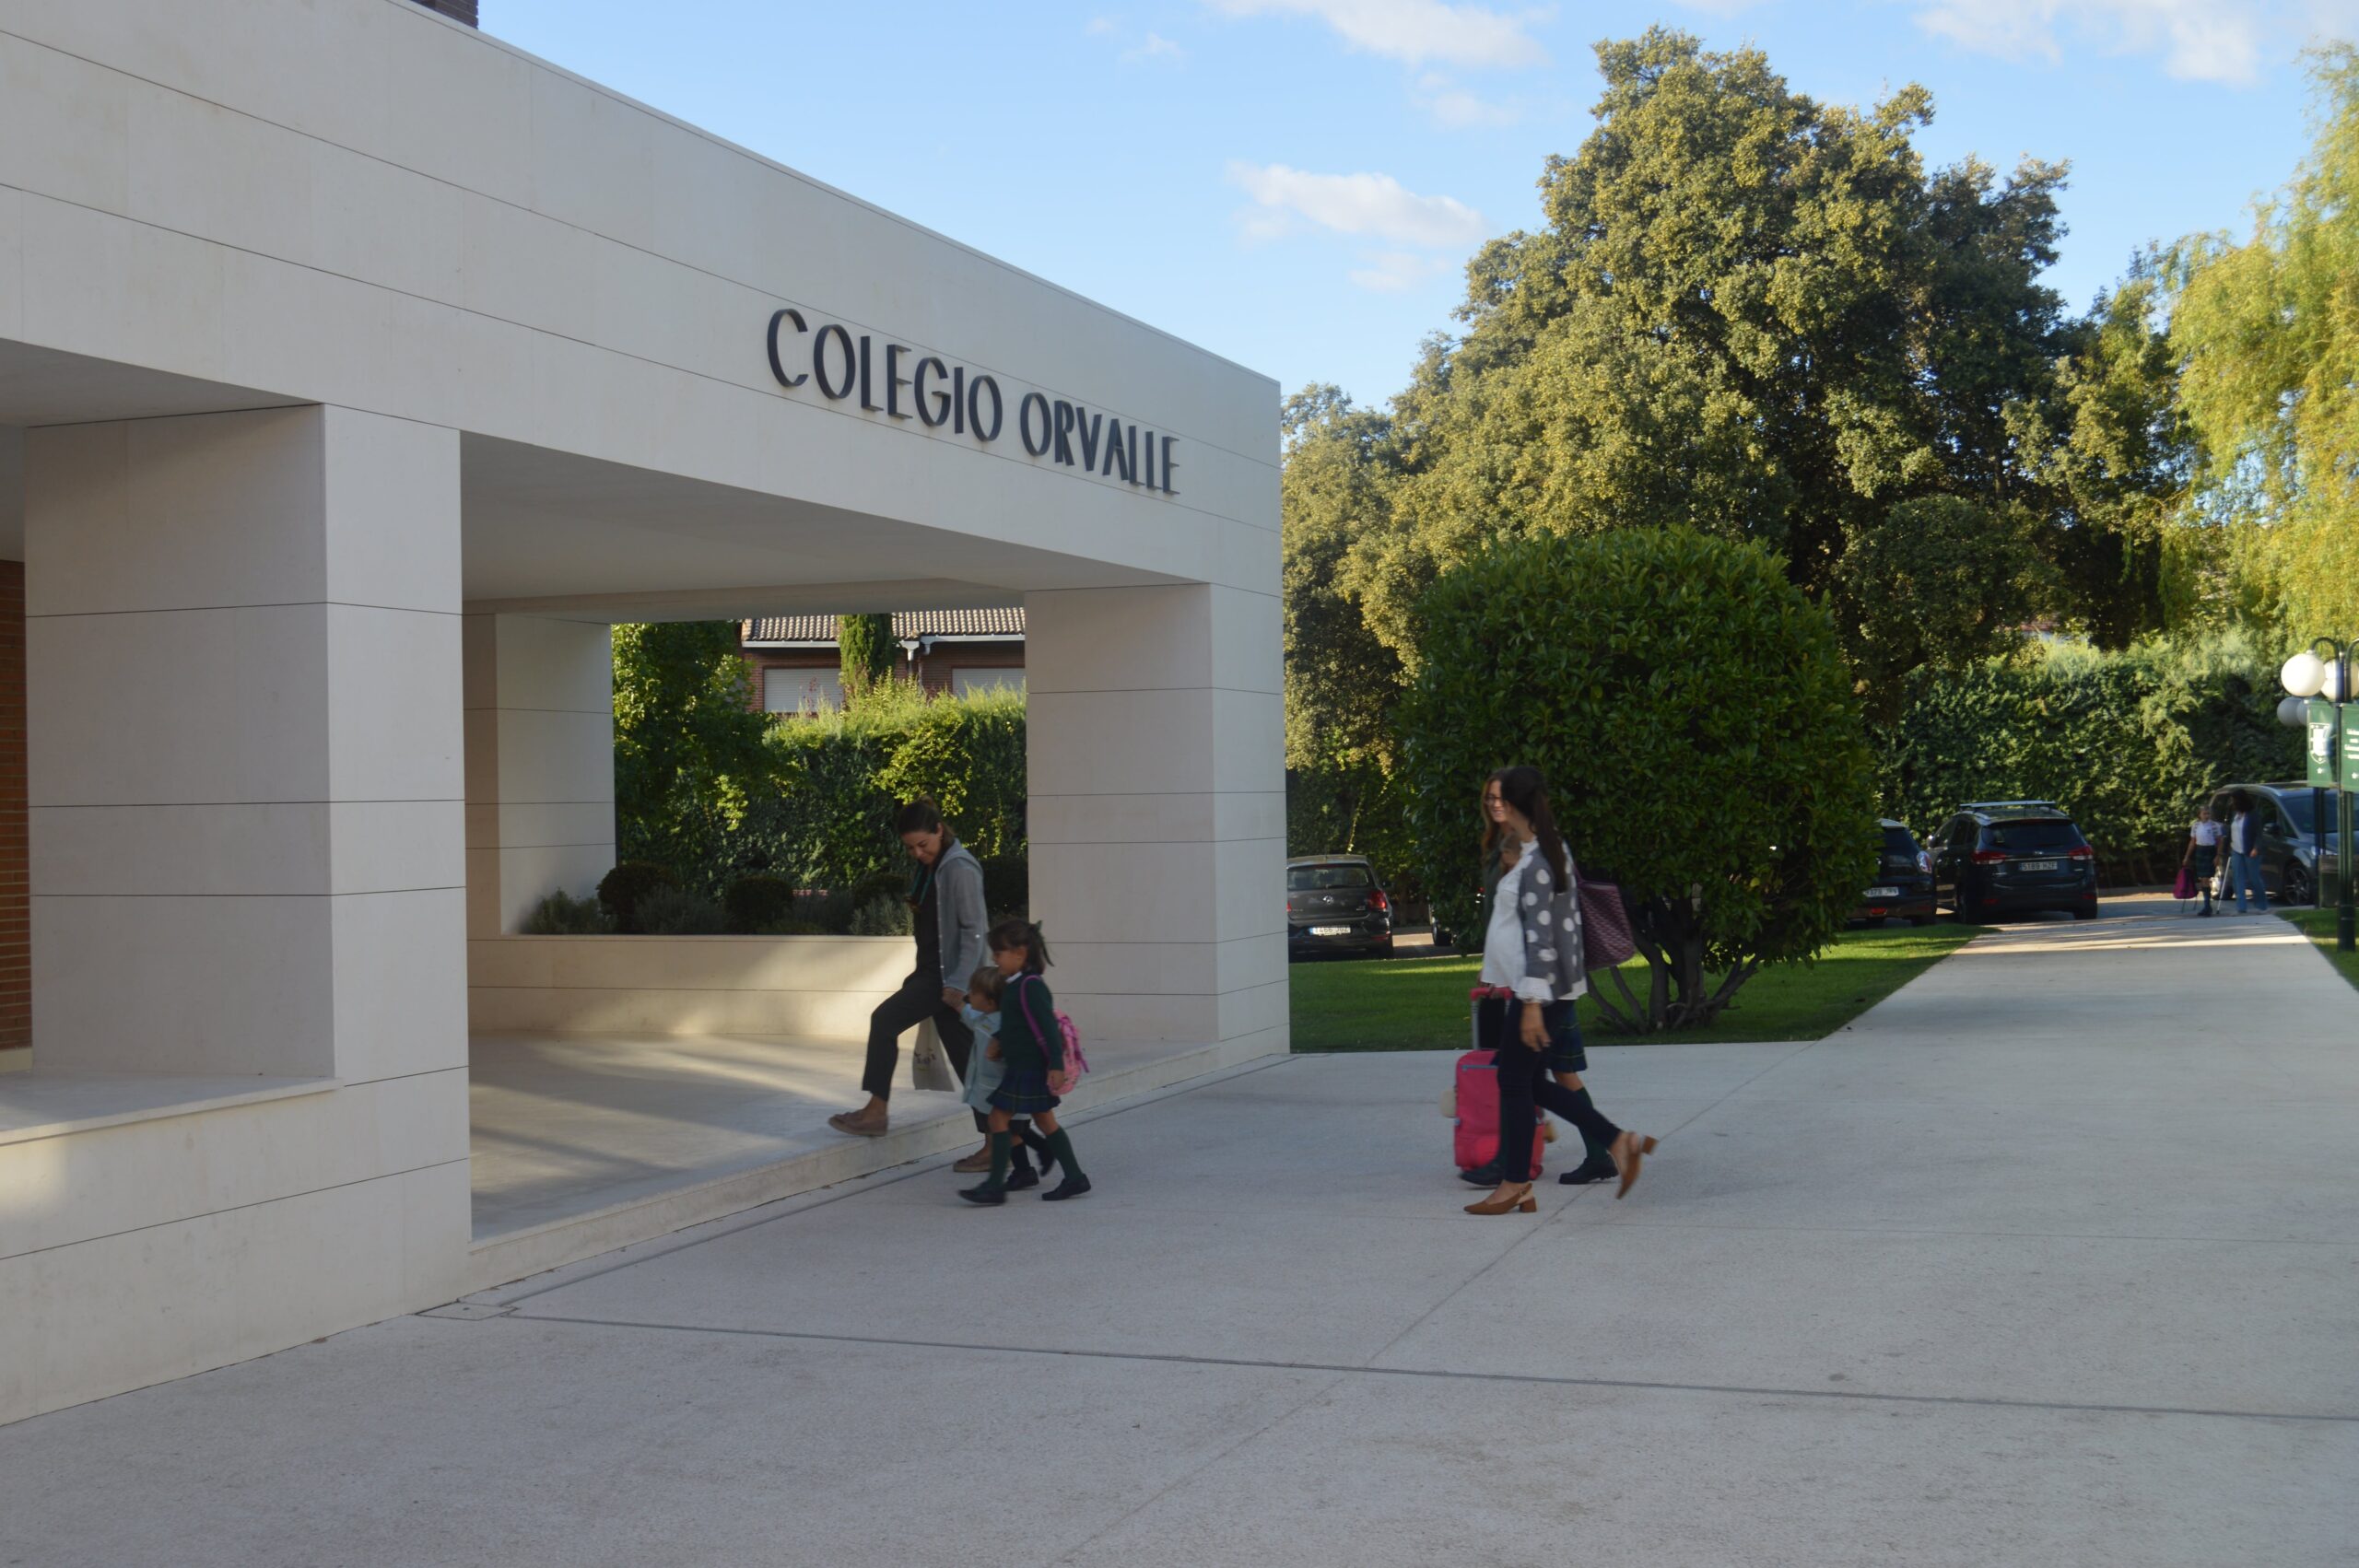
2050 1260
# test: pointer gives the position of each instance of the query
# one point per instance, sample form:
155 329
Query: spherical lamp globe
2330 682
2304 674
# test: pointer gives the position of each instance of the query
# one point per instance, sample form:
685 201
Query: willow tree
2267 332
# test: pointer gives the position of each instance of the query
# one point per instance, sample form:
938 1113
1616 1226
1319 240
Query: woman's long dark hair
1527 791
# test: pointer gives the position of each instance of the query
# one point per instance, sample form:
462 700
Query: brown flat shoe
1630 1151
1502 1201
980 1160
859 1124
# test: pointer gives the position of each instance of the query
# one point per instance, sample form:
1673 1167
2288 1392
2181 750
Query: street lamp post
2334 757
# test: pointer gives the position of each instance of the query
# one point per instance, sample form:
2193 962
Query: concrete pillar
540 764
1157 814
246 825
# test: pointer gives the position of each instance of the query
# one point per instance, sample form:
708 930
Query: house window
817 689
986 677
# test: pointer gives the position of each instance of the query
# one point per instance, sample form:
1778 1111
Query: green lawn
1419 1004
2315 924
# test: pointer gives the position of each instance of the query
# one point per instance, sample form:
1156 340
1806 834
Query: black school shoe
1019 1177
987 1193
1072 1186
1600 1169
1482 1176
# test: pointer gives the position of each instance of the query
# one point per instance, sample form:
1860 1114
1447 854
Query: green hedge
829 822
2126 741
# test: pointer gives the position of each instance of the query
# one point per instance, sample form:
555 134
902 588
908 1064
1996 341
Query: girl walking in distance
1532 947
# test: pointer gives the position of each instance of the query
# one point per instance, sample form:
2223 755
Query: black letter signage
1102 445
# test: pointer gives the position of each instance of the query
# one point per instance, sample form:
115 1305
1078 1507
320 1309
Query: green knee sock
1061 1147
999 1159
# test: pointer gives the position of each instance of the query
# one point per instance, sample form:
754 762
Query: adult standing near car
1531 948
2202 852
947 898
2244 854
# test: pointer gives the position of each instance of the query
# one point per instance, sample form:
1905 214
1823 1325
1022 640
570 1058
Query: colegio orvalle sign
896 380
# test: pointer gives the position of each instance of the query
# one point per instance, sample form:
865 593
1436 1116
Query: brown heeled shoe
1522 1202
1630 1151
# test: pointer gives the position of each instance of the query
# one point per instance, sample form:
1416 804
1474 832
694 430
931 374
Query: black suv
1904 885
1334 904
1999 858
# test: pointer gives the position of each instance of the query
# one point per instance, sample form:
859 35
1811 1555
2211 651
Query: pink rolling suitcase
1476 1105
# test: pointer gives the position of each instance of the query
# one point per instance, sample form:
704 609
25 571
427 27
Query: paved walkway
2053 1259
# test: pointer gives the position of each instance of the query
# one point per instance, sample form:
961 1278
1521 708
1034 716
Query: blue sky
1295 183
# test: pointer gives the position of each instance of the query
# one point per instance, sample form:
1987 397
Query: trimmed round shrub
627 886
675 911
1696 721
755 903
889 916
561 914
827 912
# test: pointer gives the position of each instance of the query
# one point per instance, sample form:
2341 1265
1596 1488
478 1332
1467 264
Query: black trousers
1527 1083
919 999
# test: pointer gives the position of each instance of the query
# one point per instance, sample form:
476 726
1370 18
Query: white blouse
1503 938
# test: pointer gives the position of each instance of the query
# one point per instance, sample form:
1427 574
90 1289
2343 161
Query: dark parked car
2289 866
1904 885
1999 858
1334 904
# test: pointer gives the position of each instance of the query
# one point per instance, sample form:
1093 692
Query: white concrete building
375 368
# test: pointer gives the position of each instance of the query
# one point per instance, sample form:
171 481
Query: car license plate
1331 931
2038 866
1883 893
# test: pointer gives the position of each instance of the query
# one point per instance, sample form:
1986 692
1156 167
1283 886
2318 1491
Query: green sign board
2350 745
2322 723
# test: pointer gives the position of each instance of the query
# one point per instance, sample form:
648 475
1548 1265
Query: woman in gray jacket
1532 947
948 894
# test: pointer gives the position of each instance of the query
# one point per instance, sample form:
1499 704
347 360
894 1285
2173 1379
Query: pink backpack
1076 1063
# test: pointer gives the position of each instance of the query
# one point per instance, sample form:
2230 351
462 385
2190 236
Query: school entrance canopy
356 372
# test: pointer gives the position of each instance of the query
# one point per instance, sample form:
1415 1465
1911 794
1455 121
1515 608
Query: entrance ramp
581 1143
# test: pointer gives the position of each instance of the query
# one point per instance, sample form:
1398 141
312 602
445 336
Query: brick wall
15 911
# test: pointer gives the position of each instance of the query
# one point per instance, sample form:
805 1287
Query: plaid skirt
1024 1090
1563 1052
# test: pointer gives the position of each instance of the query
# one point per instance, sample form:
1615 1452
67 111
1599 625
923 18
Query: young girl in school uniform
1030 1050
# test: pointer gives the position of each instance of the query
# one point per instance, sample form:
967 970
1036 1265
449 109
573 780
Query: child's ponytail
1016 934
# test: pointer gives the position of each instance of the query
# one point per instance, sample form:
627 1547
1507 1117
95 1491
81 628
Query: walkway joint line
1642 1385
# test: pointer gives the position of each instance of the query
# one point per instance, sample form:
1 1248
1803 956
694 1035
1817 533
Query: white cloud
1100 27
1455 108
1396 272
1375 205
1156 46
1416 30
2200 40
